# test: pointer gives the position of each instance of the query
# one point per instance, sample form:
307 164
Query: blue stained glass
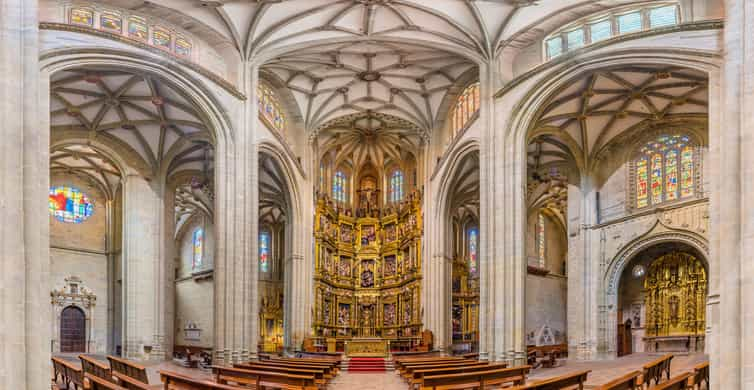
69 204
663 16
554 47
339 186
198 248
264 252
396 186
575 39
601 30
629 22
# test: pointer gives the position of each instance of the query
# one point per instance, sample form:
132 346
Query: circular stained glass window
639 271
69 204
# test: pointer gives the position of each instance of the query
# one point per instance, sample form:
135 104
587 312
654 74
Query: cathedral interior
558 185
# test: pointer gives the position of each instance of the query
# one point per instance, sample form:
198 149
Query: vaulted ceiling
577 125
154 120
87 163
464 198
274 199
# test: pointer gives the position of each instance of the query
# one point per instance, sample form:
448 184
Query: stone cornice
222 82
651 211
573 57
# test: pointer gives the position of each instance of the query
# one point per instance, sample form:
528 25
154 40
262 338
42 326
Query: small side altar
367 347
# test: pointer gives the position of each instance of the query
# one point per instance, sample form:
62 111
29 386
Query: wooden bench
401 365
175 381
567 381
319 373
69 373
93 382
95 367
333 365
653 370
478 379
701 374
408 370
680 382
328 371
128 368
630 381
261 379
417 376
545 355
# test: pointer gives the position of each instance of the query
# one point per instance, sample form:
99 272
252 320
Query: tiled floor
602 372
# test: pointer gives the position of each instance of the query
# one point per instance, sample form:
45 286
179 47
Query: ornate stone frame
73 293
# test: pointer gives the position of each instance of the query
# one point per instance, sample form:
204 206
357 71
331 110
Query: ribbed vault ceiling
150 116
577 125
87 163
464 196
273 191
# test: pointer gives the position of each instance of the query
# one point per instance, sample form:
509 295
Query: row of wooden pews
94 374
437 373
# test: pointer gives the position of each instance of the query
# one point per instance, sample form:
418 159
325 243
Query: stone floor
602 372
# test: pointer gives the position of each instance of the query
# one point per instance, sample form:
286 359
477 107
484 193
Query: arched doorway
662 301
72 330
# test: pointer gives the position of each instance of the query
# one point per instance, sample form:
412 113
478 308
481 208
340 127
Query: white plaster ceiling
577 124
464 196
150 116
370 137
88 163
273 191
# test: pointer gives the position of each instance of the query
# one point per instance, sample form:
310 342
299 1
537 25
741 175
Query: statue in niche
368 235
389 314
344 315
326 313
390 233
367 319
367 276
407 315
390 267
673 307
346 233
344 267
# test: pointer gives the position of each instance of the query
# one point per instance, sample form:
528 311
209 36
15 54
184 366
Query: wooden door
72 330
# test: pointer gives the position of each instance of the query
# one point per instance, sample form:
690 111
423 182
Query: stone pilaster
24 178
143 270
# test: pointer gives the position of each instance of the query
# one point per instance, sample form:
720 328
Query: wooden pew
401 364
261 379
408 370
175 381
477 379
417 376
653 370
567 381
93 382
128 368
679 382
319 373
334 366
701 374
545 355
630 381
96 368
70 373
328 371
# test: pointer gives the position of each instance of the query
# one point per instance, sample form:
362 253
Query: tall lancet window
541 240
663 171
473 251
198 245
339 187
396 186
264 251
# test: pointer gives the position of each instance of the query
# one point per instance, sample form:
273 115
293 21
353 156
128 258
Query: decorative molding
219 80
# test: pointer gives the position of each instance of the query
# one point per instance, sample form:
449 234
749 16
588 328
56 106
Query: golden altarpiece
675 301
368 272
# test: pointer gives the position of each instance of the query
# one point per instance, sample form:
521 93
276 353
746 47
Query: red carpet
366 365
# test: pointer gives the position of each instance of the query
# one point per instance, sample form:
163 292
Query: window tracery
396 186
198 248
605 26
663 170
339 187
264 251
69 204
473 251
541 240
466 106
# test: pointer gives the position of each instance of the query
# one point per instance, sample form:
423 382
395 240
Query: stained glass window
541 240
601 30
575 38
161 38
466 106
554 47
111 21
269 107
69 204
629 22
473 251
264 251
137 28
339 186
659 165
663 16
82 16
396 186
182 46
198 248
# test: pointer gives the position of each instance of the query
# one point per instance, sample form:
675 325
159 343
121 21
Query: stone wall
545 308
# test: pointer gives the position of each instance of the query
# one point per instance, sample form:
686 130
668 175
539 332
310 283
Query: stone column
143 269
732 230
236 231
24 179
582 280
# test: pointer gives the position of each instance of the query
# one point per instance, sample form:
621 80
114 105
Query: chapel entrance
662 301
72 330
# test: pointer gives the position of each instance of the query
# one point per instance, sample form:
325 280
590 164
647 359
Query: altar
367 347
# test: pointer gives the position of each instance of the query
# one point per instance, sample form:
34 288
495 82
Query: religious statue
344 267
367 276
346 233
390 233
390 266
326 312
389 314
344 315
